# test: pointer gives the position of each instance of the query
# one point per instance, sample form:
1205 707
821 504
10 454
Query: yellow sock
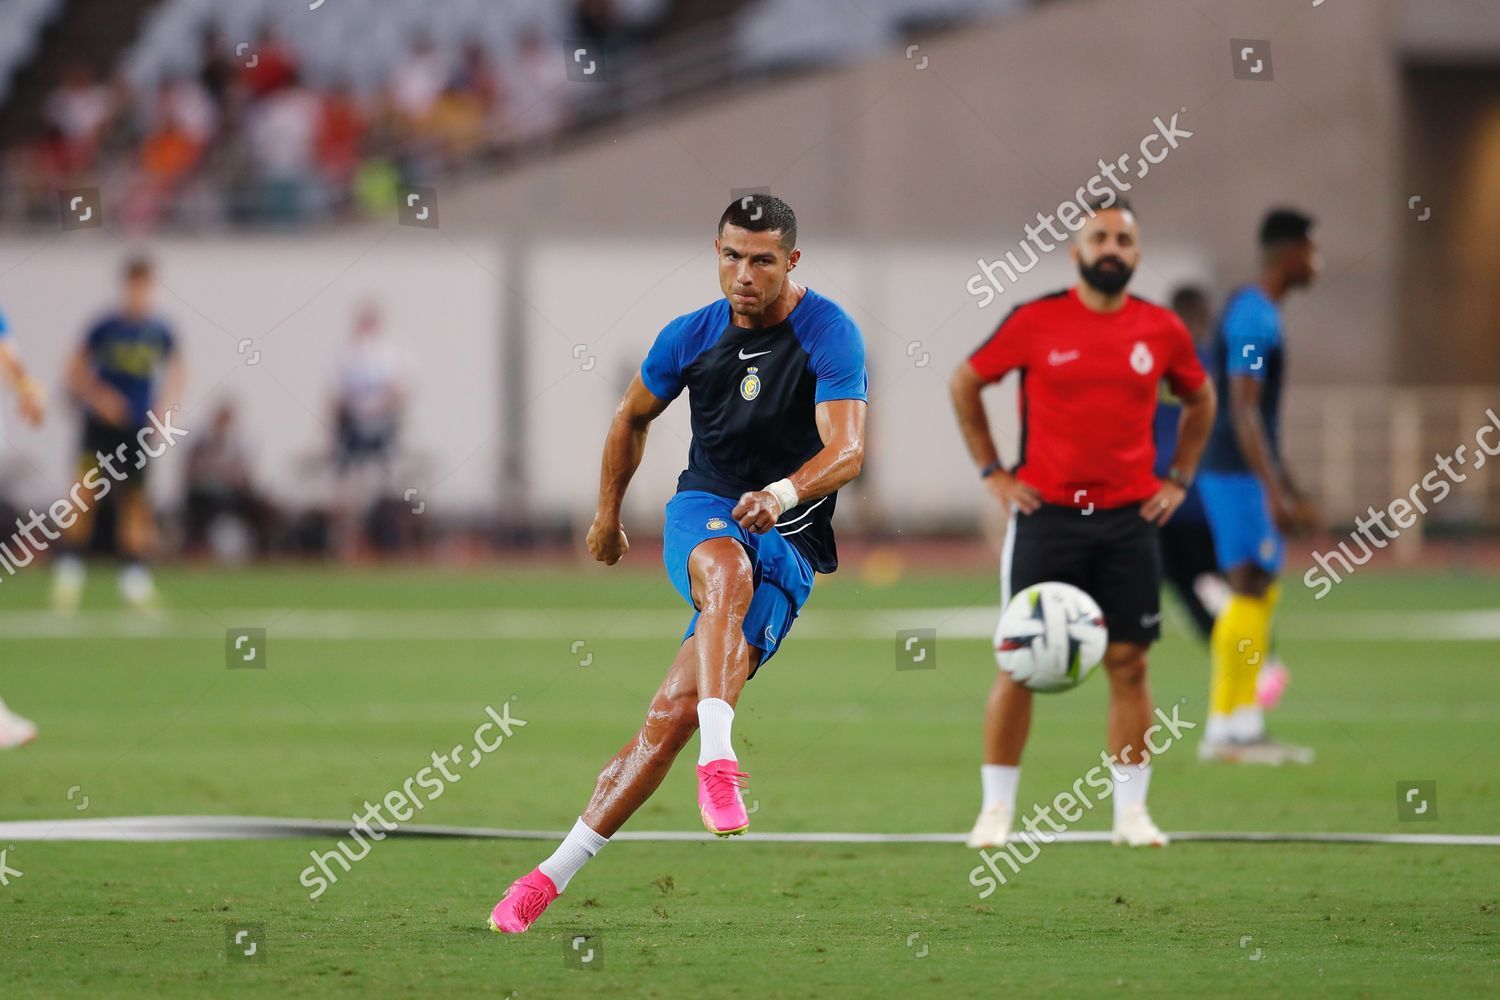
1237 648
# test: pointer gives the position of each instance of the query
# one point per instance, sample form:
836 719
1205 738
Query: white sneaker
1262 751
992 828
68 575
1135 829
137 588
15 731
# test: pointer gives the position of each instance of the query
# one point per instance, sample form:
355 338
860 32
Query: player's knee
672 721
723 580
1126 665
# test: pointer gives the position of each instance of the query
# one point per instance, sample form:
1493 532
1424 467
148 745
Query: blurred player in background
16 730
1246 491
1189 563
1084 504
124 377
367 408
777 388
1187 545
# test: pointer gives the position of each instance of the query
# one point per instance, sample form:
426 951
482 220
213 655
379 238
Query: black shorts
121 445
1112 555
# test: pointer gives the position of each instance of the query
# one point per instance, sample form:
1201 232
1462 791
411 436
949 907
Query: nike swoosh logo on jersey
1062 357
747 357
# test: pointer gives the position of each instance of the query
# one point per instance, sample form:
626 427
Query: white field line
179 828
617 623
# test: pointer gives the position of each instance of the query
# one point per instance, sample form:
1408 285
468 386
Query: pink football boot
719 784
525 901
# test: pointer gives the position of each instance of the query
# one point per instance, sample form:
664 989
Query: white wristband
785 494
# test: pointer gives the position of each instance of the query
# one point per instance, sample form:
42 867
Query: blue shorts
1240 516
783 577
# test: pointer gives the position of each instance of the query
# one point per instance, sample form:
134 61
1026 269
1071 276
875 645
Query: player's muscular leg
723 584
1129 700
633 775
1007 721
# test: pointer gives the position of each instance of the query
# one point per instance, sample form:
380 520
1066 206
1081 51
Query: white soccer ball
1051 637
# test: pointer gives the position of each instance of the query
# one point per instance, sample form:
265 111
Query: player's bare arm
98 396
624 446
1250 433
28 390
966 389
1193 428
841 424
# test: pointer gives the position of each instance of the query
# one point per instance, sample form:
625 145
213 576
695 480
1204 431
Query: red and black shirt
1088 393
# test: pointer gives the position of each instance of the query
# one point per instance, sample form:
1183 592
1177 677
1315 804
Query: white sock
1217 729
69 571
1000 782
135 583
577 848
1247 723
1131 783
715 719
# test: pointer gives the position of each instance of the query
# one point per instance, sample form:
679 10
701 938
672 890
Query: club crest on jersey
1141 359
750 384
717 524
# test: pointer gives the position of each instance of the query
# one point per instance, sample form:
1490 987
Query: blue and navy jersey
1164 432
752 394
129 354
1248 342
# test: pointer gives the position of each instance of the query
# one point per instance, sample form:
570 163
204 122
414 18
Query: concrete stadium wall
905 172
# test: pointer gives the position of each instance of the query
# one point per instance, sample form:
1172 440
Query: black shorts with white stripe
1112 555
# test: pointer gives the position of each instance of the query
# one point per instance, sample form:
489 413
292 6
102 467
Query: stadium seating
349 41
21 26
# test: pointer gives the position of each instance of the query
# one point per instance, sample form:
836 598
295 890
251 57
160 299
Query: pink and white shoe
526 900
15 730
719 802
1271 684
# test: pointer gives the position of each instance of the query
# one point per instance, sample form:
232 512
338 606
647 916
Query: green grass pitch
147 721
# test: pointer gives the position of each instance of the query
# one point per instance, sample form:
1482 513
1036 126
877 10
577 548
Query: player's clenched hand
1012 493
110 405
1162 504
757 511
607 542
33 402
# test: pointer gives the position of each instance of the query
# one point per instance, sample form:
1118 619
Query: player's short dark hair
1187 297
762 213
1097 205
138 266
1284 225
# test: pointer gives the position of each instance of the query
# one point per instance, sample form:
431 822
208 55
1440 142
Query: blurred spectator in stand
224 513
457 125
178 130
537 90
418 82
217 74
269 65
478 77
76 114
282 130
367 407
341 130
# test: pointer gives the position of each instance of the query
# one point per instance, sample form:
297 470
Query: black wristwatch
990 470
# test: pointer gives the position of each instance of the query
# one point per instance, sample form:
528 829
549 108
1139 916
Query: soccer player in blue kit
777 389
